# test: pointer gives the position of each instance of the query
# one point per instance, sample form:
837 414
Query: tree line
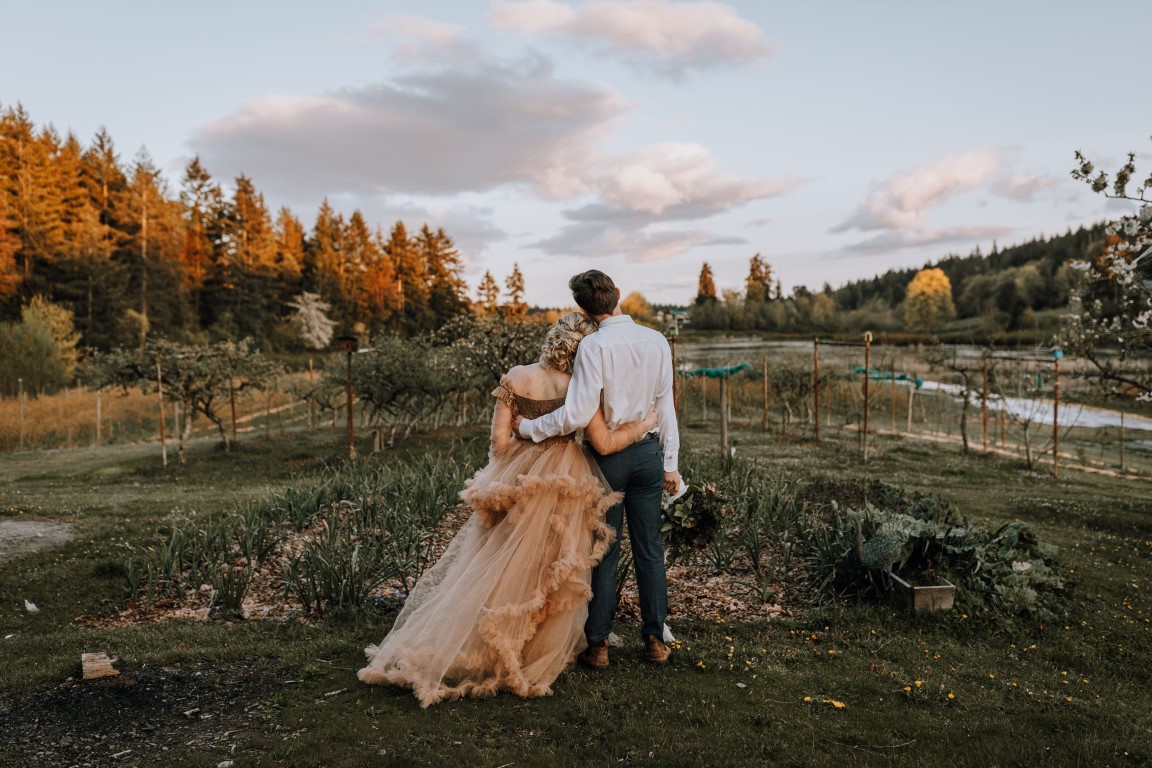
999 292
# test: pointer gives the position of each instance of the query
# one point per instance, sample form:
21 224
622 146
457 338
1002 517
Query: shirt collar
615 320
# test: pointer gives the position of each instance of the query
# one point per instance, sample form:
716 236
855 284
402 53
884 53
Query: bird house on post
348 345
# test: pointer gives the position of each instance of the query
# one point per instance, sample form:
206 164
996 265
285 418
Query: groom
626 367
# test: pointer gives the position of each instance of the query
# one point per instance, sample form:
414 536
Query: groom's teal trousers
637 471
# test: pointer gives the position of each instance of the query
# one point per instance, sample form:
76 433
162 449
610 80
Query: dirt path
20 536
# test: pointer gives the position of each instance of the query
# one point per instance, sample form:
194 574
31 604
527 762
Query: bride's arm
607 441
501 435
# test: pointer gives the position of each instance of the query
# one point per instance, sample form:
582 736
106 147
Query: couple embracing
528 584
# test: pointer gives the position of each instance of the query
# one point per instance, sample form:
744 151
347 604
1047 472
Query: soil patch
18 537
144 716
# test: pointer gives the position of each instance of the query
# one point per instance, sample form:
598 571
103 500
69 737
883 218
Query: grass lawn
842 685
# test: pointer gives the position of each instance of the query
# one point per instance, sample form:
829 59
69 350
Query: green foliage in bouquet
691 522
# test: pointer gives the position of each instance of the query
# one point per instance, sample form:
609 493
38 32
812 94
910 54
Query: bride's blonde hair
559 348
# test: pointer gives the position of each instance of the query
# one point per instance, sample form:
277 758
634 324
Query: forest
131 257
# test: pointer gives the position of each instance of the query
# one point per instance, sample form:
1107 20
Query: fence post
764 420
160 396
867 371
724 418
1121 441
816 386
98 415
20 408
1056 412
349 344
984 404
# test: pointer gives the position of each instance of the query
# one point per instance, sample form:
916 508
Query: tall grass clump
330 544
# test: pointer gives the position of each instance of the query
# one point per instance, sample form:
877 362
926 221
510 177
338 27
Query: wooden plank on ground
97 665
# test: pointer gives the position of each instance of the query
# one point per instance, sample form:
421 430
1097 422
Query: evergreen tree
105 278
447 291
203 205
324 262
705 286
35 202
758 286
415 314
514 286
489 294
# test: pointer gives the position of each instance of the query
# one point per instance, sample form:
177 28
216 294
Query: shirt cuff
527 429
671 463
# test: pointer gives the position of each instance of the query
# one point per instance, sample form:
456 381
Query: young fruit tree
198 377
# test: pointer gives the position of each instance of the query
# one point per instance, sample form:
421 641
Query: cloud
896 240
901 201
679 178
439 131
406 30
662 37
1023 187
637 245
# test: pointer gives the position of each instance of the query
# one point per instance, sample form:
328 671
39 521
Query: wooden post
724 418
911 393
704 399
984 405
349 344
176 417
20 408
1056 415
867 366
160 395
232 403
764 420
675 375
816 384
1121 441
892 387
311 399
98 415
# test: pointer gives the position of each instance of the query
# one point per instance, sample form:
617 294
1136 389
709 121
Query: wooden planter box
939 597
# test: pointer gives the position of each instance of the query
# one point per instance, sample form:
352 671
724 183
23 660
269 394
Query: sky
835 138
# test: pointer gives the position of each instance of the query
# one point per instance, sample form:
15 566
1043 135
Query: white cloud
416 28
437 131
663 37
901 201
677 177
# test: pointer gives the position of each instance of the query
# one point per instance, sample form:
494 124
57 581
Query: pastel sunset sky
641 137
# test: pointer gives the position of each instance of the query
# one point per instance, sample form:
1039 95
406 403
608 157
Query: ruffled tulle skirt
504 607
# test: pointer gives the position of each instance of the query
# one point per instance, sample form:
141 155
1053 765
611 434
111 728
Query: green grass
284 693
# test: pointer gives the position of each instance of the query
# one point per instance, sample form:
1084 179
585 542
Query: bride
504 607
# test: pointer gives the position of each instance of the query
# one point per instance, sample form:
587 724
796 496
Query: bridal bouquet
692 517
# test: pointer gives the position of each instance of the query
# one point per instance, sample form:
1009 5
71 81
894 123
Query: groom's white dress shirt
625 367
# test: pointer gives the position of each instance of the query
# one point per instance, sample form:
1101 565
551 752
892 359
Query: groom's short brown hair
594 292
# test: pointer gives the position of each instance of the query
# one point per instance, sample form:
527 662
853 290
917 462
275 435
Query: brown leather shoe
658 653
595 656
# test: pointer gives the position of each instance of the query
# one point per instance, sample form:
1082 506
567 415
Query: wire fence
1002 403
1047 411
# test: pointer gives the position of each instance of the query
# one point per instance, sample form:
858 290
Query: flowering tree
1112 302
311 320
